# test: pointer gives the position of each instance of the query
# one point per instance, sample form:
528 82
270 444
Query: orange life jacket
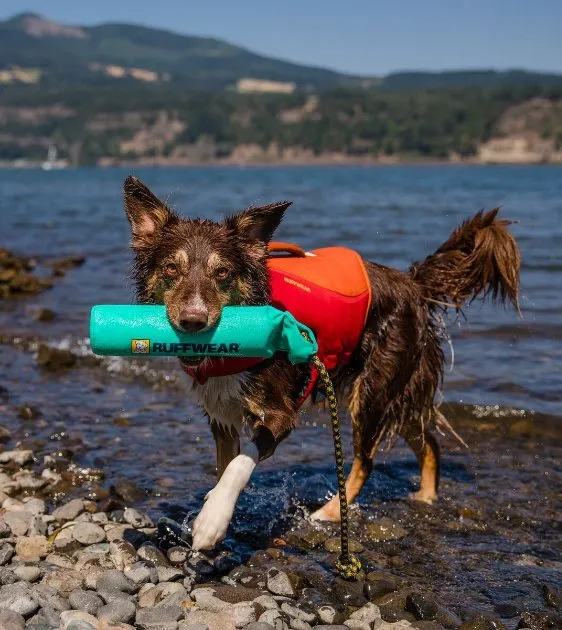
327 289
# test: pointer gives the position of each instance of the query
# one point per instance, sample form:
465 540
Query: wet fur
391 382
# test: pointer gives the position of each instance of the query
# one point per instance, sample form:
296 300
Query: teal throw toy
242 331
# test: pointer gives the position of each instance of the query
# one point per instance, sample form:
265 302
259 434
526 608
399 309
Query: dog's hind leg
426 449
227 442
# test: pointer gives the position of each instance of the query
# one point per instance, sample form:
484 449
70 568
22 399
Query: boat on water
51 162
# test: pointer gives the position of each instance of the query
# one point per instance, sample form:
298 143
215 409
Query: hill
36 50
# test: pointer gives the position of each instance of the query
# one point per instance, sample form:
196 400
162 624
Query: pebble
206 600
266 601
152 554
63 580
298 613
69 511
5 530
121 611
6 553
177 555
169 574
33 547
60 560
384 529
17 597
122 554
19 457
243 613
279 583
275 618
27 573
142 573
10 620
114 580
137 519
158 618
85 600
35 506
333 545
18 522
37 526
423 607
259 625
77 620
88 533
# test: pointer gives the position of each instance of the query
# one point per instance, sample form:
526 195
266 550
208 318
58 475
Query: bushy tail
480 259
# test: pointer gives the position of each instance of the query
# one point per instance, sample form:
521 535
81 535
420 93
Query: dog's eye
170 270
222 273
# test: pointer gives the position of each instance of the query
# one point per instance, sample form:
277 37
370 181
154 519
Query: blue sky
356 36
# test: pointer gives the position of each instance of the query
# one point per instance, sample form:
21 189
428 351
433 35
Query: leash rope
347 565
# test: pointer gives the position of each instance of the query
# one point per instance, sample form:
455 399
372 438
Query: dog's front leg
210 526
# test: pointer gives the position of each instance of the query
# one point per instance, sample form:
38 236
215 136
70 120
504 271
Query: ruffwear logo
140 346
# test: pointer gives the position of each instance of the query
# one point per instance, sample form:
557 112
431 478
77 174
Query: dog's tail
480 259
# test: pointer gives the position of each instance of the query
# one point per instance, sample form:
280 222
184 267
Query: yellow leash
348 566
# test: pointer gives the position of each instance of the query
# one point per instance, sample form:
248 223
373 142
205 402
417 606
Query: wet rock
306 538
423 607
333 545
45 315
380 583
162 618
384 529
10 620
18 598
279 583
18 522
535 620
63 580
33 547
121 611
128 491
19 457
552 596
61 266
77 620
482 622
54 359
150 553
177 555
27 412
6 553
350 593
27 573
69 511
88 533
142 573
122 554
114 580
137 519
225 562
85 600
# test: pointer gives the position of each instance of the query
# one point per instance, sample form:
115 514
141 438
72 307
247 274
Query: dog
195 267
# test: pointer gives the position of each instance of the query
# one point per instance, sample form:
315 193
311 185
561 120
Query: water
132 420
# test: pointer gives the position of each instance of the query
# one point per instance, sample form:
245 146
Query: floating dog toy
242 331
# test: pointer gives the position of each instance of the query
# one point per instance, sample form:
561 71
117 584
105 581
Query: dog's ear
259 223
146 213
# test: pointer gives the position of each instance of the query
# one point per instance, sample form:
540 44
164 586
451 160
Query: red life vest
327 289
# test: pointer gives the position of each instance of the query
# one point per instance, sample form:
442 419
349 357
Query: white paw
210 526
323 514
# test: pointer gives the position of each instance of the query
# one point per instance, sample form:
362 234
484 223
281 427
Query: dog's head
196 266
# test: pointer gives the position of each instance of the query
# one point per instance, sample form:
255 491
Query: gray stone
5 530
366 614
278 583
152 554
63 580
18 598
326 614
276 618
100 518
142 573
85 517
69 511
87 601
36 526
244 613
259 625
88 533
18 522
10 620
27 573
402 624
177 555
71 620
122 554
19 457
161 618
117 612
6 553
35 506
92 572
298 613
267 602
7 576
299 624
50 615
169 574
210 620
331 627
49 598
206 600
114 580
137 519
185 625
60 560
27 481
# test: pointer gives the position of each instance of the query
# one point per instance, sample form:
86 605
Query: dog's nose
193 320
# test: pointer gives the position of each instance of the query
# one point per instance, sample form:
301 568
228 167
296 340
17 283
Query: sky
365 37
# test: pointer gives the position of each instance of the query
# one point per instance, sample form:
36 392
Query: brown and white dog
195 267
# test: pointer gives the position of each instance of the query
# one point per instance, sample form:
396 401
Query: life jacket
327 289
